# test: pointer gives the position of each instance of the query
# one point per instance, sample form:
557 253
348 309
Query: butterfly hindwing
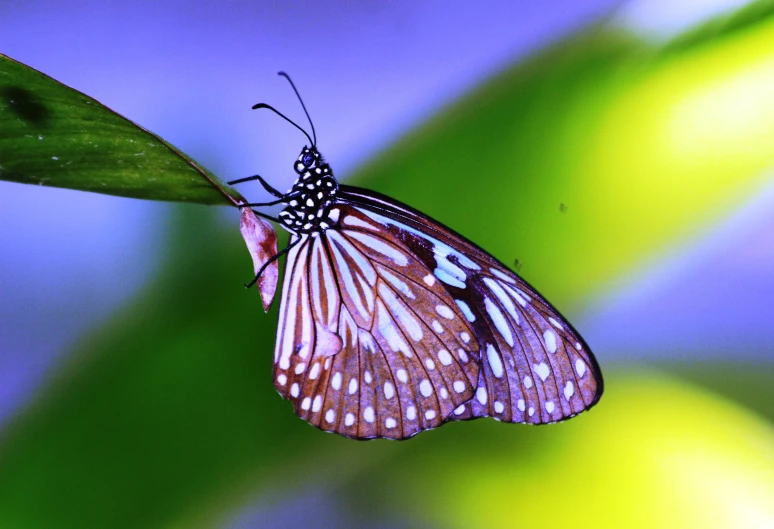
370 343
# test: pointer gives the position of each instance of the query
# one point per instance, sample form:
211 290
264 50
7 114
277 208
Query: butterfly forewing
371 344
535 368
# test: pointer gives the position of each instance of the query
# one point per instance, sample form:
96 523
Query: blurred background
620 153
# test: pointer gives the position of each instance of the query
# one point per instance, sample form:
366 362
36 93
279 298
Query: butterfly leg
280 200
261 204
263 182
271 260
263 215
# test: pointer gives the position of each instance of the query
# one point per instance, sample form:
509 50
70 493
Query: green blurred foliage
741 19
53 135
645 149
167 416
744 382
658 453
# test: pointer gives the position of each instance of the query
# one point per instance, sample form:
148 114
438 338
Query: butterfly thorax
312 196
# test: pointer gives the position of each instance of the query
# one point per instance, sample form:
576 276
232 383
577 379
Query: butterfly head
312 196
310 160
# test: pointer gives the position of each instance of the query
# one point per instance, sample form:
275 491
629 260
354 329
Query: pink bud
261 242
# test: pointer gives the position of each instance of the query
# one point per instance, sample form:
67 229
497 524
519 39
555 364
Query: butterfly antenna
286 76
283 116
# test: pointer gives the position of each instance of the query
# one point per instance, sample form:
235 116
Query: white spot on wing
498 407
550 407
282 379
495 362
444 311
402 375
349 420
569 390
517 295
447 268
459 410
336 381
380 246
542 370
411 413
504 299
314 371
499 321
520 405
316 404
466 310
368 414
351 220
330 415
501 275
481 395
528 382
294 390
550 339
580 367
429 280
459 386
447 278
444 357
430 415
389 390
556 324
352 386
390 423
426 388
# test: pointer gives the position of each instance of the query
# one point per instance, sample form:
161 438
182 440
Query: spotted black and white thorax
310 200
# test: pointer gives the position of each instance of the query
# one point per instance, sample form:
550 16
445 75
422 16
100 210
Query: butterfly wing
370 343
535 368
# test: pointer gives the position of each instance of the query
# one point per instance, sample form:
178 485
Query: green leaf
55 136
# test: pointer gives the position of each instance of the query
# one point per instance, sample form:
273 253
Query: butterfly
391 323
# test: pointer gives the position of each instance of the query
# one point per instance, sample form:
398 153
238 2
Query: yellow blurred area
655 453
682 144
